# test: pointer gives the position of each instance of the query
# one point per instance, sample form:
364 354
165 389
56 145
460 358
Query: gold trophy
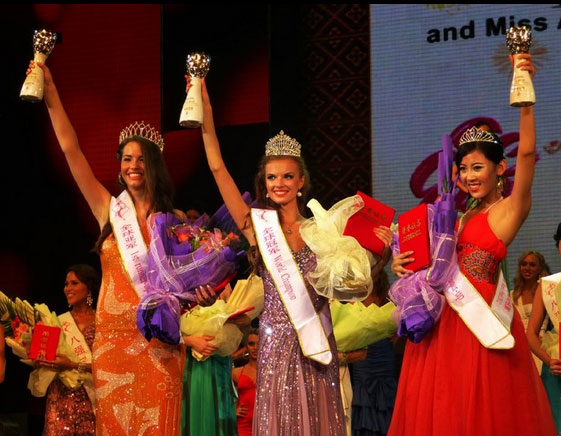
43 43
192 112
519 40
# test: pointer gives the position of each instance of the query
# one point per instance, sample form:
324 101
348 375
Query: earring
500 184
299 194
120 180
89 299
267 195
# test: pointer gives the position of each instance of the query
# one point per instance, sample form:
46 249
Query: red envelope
362 224
44 342
414 235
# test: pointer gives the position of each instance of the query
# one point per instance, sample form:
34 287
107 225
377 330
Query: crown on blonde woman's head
282 145
475 134
142 130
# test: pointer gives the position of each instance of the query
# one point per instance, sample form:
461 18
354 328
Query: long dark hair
88 276
158 182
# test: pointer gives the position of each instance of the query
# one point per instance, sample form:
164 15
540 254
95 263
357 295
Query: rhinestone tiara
142 130
474 134
282 145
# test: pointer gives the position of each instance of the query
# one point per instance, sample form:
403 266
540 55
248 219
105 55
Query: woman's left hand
61 363
524 63
205 297
385 235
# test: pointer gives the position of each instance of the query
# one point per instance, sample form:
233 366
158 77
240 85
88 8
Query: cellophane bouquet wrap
343 269
19 319
212 320
356 326
181 257
419 296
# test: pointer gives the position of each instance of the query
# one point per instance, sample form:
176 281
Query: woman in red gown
450 384
245 379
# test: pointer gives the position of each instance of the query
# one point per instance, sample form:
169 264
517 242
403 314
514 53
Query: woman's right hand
201 344
555 366
49 84
241 410
399 261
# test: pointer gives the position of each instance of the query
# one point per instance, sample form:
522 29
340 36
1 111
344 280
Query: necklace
288 228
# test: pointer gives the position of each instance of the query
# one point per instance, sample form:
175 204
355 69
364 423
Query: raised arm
226 185
520 199
94 192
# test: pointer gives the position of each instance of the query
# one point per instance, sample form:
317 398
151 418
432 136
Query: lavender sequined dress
295 395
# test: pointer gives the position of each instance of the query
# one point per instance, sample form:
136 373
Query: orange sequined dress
138 385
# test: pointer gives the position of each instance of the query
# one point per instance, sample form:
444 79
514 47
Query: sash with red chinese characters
551 295
130 241
490 325
75 338
291 286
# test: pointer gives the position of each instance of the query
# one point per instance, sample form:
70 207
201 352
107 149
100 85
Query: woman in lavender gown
296 395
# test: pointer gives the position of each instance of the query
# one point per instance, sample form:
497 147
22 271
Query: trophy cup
192 112
519 40
43 43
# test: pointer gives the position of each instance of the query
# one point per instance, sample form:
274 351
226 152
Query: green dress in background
208 406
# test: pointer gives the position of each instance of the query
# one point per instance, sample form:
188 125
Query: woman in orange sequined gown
450 384
138 384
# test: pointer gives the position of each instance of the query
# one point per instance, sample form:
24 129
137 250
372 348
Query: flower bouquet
343 267
213 320
357 326
419 296
182 256
19 319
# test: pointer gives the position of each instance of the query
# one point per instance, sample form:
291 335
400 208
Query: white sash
490 325
551 295
291 286
77 342
130 241
75 338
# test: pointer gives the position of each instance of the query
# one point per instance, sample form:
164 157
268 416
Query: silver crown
142 130
282 145
474 134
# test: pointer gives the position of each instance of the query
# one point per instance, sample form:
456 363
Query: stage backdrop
435 67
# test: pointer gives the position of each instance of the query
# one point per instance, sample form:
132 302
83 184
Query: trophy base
190 124
523 103
31 98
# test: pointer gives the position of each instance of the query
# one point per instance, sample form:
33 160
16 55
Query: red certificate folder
44 342
414 235
362 224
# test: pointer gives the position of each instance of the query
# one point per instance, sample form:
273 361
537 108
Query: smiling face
530 267
76 291
480 175
283 180
132 166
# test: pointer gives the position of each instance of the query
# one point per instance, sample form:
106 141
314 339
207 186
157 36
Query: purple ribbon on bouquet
174 272
419 296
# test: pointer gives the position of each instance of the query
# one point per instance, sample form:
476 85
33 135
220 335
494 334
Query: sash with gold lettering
291 286
130 241
551 295
490 325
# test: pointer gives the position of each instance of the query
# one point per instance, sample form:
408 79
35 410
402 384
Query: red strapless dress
451 385
246 392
